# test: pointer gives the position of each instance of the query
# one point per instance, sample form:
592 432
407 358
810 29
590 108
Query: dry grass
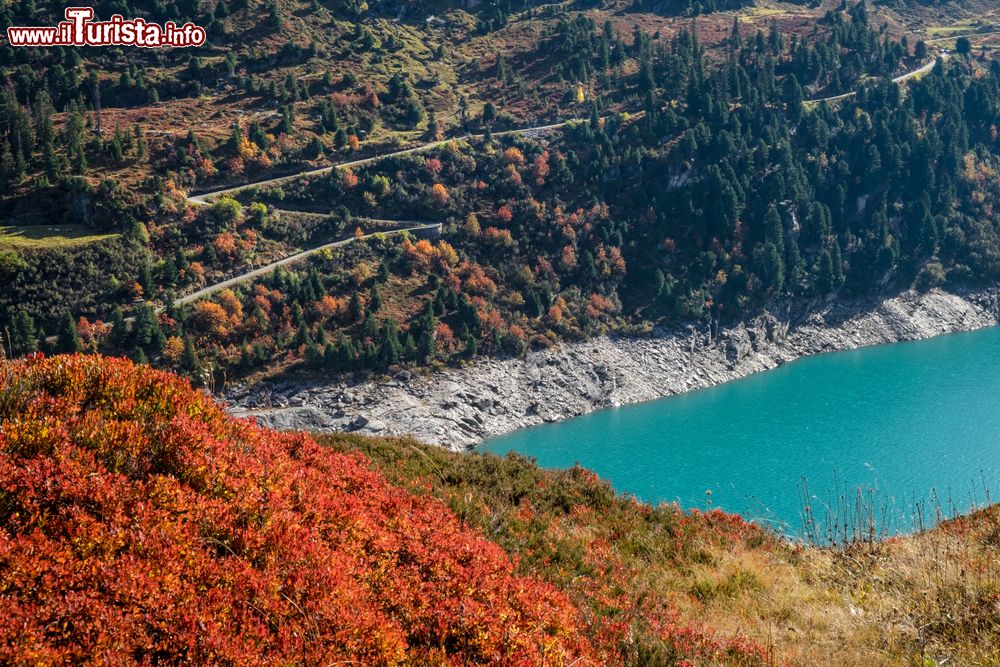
931 20
927 599
931 596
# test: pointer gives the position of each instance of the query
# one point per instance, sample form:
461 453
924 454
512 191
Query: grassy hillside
48 236
140 524
659 586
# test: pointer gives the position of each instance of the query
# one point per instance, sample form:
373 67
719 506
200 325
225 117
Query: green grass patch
966 27
48 236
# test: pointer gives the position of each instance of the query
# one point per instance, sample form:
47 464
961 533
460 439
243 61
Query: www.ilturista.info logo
80 30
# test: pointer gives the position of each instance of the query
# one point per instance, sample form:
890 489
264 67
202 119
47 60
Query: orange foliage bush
418 254
140 524
476 280
555 314
349 178
445 254
616 259
444 336
540 167
246 149
599 304
197 272
328 306
225 245
231 304
345 100
134 291
422 255
568 257
513 155
235 165
92 334
439 194
173 349
433 166
205 168
211 318
263 160
500 236
558 310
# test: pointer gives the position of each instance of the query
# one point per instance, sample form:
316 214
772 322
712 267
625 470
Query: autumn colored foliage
644 578
140 524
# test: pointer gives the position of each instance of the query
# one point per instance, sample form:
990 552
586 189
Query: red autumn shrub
140 524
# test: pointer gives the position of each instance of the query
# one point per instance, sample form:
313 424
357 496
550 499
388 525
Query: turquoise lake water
914 426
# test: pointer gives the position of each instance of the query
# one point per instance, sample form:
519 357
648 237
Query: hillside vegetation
700 185
590 167
141 525
657 579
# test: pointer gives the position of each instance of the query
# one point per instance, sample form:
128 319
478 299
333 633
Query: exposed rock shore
459 408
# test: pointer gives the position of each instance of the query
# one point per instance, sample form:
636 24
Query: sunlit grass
969 27
895 601
48 236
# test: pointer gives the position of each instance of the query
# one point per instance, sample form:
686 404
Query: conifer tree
190 363
355 309
67 338
24 337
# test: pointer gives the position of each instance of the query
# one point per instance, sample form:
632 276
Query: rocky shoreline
460 407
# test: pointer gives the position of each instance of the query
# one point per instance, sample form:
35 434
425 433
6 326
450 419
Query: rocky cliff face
458 408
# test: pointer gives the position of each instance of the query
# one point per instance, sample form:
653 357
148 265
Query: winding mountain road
899 79
968 35
291 259
207 197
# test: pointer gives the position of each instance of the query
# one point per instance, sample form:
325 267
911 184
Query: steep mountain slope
708 181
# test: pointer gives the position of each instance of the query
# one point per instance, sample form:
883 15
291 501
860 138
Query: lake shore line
459 408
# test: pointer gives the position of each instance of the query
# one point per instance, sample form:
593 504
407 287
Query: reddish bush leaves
140 524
